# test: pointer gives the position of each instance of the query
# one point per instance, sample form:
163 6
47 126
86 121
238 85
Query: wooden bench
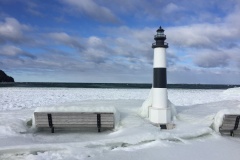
230 125
74 119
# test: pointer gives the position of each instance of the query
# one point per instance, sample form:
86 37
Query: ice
143 111
231 94
197 116
26 98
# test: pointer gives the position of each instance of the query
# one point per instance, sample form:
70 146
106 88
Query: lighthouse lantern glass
160 34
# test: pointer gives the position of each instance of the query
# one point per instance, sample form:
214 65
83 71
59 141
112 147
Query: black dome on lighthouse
160 29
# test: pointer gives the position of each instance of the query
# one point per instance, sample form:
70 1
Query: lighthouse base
161 116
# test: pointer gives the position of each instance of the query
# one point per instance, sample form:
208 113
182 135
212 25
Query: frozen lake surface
195 136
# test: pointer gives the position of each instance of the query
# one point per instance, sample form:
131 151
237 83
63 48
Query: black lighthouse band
159 78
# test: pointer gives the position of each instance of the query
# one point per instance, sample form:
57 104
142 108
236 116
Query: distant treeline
114 85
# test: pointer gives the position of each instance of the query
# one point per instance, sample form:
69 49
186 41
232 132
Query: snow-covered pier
196 136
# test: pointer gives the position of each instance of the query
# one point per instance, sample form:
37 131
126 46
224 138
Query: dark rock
5 78
29 123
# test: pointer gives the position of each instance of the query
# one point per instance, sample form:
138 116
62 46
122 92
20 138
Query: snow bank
66 108
231 94
6 131
143 111
70 107
218 119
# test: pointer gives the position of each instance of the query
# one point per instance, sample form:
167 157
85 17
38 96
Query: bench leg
52 129
50 122
99 122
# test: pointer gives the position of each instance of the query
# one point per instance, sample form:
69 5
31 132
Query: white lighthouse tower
159 112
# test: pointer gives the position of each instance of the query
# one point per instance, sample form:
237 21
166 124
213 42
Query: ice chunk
143 111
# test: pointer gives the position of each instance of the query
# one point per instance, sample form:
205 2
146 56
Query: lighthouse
159 112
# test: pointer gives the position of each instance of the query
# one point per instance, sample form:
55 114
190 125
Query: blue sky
110 41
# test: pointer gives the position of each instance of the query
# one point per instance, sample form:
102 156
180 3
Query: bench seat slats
226 129
231 115
228 125
230 120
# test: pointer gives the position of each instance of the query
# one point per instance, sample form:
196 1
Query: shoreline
112 85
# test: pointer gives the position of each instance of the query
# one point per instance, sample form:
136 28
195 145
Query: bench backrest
230 122
74 119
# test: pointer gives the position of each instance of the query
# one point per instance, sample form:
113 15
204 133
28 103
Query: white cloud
61 36
203 76
202 35
13 51
66 39
94 41
209 34
92 9
171 7
11 30
211 59
33 8
10 50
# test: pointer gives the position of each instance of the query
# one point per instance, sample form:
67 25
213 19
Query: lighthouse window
160 34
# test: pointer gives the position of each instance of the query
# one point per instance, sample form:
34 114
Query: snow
198 115
144 110
75 108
